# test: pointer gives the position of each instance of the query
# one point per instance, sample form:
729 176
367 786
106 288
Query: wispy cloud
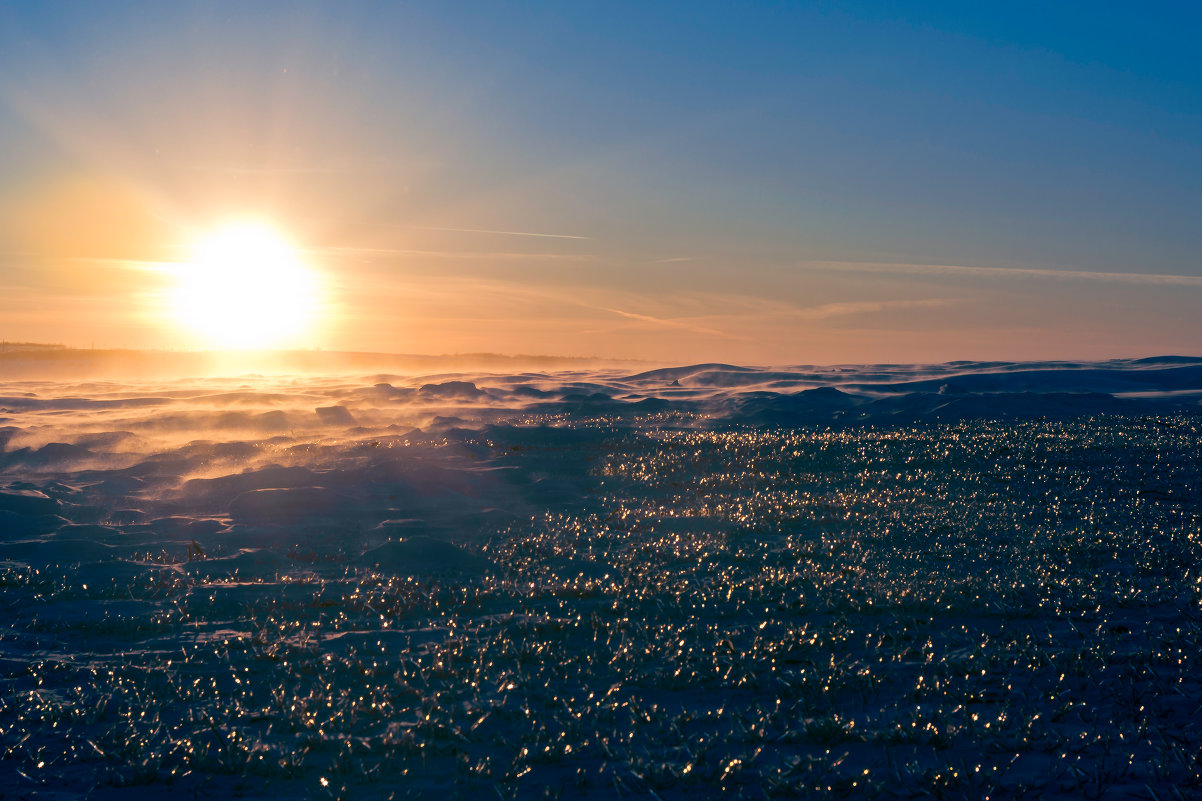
307 169
477 299
475 255
669 322
1146 279
870 307
139 265
503 233
673 260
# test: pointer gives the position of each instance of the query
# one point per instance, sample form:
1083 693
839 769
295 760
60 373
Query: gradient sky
744 182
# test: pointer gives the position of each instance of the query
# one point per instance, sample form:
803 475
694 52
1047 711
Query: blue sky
753 182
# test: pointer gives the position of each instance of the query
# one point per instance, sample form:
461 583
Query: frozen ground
957 581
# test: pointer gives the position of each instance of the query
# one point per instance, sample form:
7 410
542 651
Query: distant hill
37 360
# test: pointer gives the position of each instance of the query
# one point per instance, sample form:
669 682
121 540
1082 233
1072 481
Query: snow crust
950 580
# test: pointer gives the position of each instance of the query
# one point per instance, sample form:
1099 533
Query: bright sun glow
245 286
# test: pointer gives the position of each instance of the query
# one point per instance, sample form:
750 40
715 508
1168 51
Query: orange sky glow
428 205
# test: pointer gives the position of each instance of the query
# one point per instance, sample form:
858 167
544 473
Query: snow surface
955 580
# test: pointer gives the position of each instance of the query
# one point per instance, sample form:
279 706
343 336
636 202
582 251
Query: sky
752 182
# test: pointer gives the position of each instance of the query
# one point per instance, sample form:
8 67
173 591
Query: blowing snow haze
591 578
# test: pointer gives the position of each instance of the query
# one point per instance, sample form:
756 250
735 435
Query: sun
245 286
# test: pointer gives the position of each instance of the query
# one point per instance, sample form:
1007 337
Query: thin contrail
505 233
1149 279
448 254
666 322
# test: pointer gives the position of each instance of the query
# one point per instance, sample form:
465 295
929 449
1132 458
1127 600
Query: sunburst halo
245 286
